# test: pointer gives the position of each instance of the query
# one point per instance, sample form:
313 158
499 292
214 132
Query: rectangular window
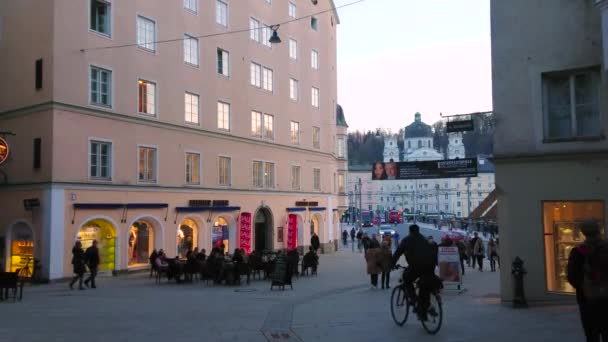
256 124
256 75
293 49
147 164
295 178
295 132
191 5
100 17
316 179
341 183
223 62
193 162
224 171
294 89
254 29
269 126
314 23
267 79
101 87
571 101
315 97
446 196
101 160
223 116
562 228
191 108
146 33
458 204
314 59
266 34
147 97
258 177
221 13
269 175
316 137
191 50
292 10
341 149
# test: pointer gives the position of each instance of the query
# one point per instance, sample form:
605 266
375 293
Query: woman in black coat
78 263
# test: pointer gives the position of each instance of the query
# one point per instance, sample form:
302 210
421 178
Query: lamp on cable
275 35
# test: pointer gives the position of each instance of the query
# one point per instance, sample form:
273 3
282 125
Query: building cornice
548 157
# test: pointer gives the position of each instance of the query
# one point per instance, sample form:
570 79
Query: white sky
399 57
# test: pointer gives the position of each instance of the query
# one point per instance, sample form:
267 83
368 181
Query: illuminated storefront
141 238
105 234
22 248
186 237
562 230
220 234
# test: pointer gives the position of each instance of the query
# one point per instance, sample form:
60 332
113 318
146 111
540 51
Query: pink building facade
129 124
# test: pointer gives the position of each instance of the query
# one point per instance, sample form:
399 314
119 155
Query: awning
336 209
147 205
316 209
98 205
295 209
200 209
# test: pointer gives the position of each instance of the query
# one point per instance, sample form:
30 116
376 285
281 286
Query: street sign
460 126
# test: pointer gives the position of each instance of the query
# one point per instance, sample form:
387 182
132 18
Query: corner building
143 144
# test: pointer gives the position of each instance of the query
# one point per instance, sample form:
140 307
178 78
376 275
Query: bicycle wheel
400 307
434 315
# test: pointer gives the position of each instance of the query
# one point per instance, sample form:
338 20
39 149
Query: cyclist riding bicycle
420 257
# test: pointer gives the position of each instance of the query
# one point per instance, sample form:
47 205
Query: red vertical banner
245 232
292 231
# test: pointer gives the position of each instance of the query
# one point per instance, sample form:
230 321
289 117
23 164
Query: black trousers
79 277
374 278
91 277
493 259
462 258
410 276
386 279
593 316
479 261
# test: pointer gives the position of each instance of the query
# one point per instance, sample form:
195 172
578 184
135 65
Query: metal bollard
518 271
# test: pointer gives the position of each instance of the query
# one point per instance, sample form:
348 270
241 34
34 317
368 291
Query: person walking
372 258
492 254
479 252
78 264
314 241
588 274
470 256
462 251
386 258
91 257
353 235
359 237
345 238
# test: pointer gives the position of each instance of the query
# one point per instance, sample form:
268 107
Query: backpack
595 279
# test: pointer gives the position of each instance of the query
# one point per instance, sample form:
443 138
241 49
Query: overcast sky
399 57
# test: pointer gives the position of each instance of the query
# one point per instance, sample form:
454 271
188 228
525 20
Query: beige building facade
148 125
549 86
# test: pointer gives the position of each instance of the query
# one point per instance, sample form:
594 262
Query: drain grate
280 335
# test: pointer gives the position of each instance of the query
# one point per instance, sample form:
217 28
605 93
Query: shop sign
199 203
449 265
220 203
292 232
460 126
4 150
307 204
245 233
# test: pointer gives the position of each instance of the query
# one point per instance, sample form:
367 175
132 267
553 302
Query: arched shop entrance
220 234
263 229
141 242
186 237
315 224
105 234
22 247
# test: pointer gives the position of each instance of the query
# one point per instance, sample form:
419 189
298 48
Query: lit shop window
562 228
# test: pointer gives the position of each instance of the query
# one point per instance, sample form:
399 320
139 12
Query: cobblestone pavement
336 305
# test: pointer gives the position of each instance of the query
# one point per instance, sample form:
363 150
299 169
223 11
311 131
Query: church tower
455 146
391 148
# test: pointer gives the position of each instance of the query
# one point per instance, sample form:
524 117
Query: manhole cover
245 290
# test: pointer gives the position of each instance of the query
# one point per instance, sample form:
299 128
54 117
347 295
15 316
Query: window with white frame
224 170
221 13
223 115
191 5
341 183
147 97
146 33
223 62
292 10
193 162
294 89
191 50
100 19
315 97
266 33
254 29
293 49
256 75
295 132
257 180
341 148
295 177
269 126
147 164
314 59
316 137
191 108
316 179
101 160
256 124
267 79
101 87
571 102
269 175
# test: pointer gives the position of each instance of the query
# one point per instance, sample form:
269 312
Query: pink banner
292 232
245 233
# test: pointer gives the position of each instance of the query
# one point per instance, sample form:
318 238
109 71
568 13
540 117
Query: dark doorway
263 230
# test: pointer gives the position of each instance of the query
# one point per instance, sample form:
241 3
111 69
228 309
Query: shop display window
22 248
186 238
141 237
220 234
562 228
105 234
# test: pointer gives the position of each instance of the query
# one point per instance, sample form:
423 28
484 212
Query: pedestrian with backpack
588 274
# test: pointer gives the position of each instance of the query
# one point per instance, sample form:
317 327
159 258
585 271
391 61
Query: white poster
449 265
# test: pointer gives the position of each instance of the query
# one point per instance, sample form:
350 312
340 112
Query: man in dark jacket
593 312
78 263
314 242
91 255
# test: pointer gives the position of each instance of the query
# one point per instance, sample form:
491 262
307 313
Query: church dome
418 129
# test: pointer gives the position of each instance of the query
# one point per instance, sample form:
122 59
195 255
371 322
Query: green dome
418 129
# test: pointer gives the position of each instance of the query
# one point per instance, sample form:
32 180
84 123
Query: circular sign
4 150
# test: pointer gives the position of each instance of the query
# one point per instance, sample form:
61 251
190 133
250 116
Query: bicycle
401 303
24 273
